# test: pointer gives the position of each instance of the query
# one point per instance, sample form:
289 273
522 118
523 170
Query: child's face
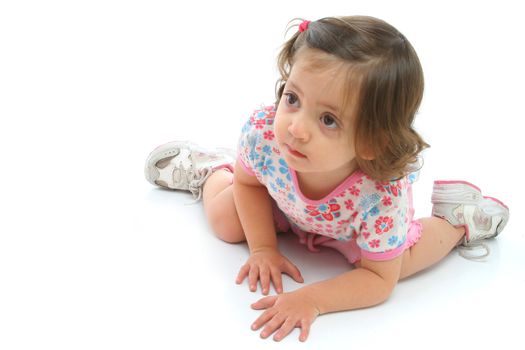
313 132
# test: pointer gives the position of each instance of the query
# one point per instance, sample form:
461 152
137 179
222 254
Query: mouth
294 152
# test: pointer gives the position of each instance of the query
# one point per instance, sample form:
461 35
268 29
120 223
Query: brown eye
329 121
291 99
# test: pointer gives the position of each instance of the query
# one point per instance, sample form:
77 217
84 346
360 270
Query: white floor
93 257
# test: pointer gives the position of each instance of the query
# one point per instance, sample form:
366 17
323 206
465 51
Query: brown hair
390 88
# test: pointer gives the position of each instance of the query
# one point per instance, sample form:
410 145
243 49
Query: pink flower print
349 204
393 188
342 194
261 118
374 243
364 225
380 186
324 212
366 234
269 109
268 135
259 123
309 219
354 215
343 222
387 201
276 150
354 191
384 224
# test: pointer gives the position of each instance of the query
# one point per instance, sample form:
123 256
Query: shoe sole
166 150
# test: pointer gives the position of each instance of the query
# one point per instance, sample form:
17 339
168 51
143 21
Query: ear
374 147
366 151
367 155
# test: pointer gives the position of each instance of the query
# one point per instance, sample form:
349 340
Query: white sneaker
461 204
182 165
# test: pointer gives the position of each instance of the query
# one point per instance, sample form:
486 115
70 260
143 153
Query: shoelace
192 178
197 181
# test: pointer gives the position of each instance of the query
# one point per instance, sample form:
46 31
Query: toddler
332 161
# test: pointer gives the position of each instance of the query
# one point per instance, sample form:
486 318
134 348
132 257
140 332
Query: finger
264 275
253 276
261 320
285 329
277 281
292 270
264 303
243 272
305 330
272 325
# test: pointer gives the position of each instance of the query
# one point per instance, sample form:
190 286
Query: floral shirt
376 214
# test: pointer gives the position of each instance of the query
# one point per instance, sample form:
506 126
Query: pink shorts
349 249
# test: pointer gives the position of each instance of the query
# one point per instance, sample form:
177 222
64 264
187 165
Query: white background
92 256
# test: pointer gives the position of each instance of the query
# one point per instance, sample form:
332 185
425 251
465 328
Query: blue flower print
280 182
291 197
266 167
284 169
392 240
253 155
267 149
369 201
246 127
412 177
374 211
273 187
253 140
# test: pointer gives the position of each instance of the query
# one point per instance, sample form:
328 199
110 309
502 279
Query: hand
266 264
286 311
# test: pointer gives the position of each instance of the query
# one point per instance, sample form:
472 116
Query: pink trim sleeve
246 168
413 235
383 256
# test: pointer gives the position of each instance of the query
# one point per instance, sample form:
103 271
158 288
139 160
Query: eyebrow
327 105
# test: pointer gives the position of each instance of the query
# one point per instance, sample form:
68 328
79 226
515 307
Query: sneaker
182 165
461 204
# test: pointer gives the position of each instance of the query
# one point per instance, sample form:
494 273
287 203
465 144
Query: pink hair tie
304 26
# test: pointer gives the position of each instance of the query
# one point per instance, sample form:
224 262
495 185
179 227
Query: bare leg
437 240
220 207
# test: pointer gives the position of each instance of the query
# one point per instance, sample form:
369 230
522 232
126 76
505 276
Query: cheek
279 128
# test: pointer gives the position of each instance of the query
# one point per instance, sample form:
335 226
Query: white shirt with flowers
375 214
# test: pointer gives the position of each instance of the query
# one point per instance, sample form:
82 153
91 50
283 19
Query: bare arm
368 285
254 208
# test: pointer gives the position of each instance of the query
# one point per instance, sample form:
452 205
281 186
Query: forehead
327 76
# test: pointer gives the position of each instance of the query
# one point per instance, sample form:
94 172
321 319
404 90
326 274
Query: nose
299 127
